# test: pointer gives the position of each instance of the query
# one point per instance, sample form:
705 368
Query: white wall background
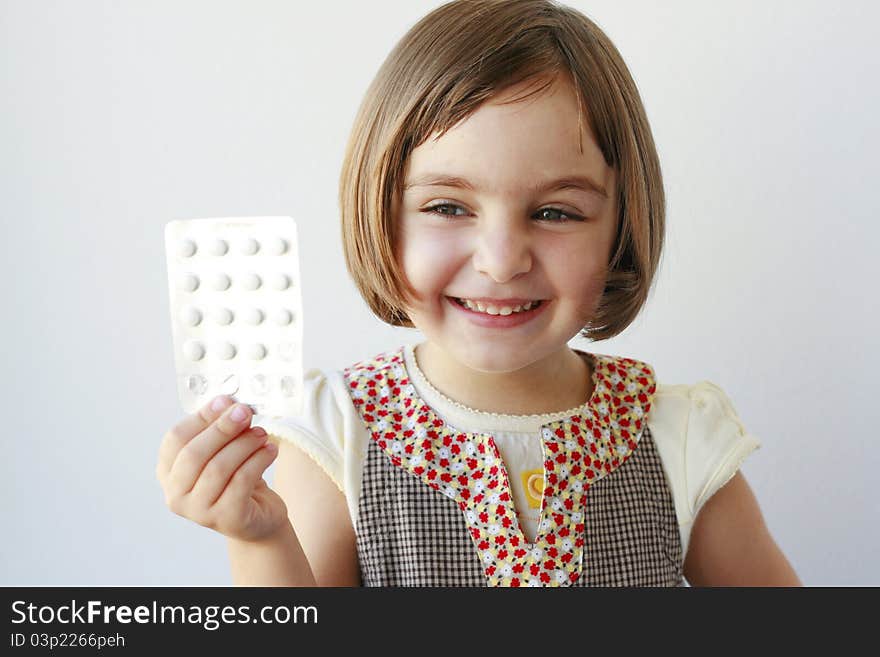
116 117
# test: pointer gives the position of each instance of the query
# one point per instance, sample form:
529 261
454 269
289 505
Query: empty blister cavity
196 384
229 385
288 386
287 351
260 384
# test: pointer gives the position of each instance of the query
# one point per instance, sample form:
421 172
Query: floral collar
467 467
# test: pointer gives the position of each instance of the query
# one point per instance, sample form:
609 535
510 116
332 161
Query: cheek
589 301
579 275
429 259
576 267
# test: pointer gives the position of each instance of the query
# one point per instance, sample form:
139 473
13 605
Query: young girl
501 193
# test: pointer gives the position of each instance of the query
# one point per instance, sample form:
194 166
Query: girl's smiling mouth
498 316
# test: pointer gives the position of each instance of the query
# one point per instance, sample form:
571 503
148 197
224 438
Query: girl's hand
211 466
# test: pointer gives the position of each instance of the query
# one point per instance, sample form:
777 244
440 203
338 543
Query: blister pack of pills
236 311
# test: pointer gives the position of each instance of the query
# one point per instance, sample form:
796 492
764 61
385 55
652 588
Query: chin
494 359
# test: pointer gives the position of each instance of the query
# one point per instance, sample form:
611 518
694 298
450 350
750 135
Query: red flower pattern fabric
467 467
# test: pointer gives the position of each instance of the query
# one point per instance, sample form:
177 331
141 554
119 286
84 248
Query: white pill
253 316
250 246
223 316
186 248
279 281
257 351
225 351
251 281
189 283
218 247
220 282
190 316
283 317
194 350
275 246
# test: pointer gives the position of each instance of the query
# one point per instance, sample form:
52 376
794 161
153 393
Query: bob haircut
453 60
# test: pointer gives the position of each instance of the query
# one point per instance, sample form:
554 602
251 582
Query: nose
502 249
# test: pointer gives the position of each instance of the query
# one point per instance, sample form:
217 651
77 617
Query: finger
241 486
196 453
187 429
219 470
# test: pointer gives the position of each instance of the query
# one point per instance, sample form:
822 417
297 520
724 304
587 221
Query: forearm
275 561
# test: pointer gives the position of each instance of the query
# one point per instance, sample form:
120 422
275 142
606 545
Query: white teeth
495 310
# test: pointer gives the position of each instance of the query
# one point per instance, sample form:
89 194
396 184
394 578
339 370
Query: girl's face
485 217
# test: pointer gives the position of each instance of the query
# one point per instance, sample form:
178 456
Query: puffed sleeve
716 443
320 430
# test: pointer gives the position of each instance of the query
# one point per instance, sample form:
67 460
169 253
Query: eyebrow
583 183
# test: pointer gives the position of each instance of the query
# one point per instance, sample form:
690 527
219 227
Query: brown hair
449 63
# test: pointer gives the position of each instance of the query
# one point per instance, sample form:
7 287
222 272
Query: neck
557 383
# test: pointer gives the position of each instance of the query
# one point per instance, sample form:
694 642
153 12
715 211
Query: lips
498 321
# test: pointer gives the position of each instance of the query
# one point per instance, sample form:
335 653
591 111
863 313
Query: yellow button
533 483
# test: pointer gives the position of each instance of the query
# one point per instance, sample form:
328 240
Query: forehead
504 143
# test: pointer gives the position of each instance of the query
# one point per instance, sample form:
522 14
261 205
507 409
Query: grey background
116 117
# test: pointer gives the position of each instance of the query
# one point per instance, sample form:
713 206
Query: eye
569 215
440 207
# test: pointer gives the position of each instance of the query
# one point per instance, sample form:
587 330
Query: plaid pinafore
435 506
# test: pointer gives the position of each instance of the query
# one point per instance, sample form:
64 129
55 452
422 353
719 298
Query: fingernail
220 403
238 413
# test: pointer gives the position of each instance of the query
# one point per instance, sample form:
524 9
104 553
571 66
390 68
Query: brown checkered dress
410 534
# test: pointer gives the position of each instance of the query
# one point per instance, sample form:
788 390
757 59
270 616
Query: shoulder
699 424
702 409
699 404
701 440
